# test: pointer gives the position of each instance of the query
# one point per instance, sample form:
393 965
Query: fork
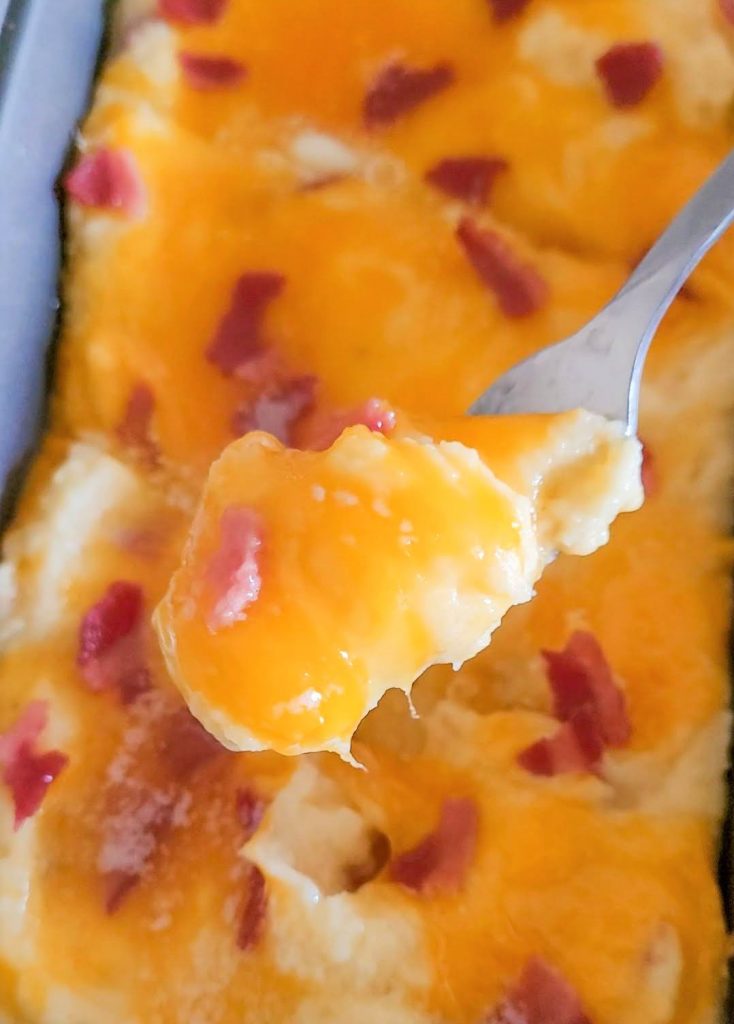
600 367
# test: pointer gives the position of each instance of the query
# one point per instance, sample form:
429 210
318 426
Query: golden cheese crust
266 230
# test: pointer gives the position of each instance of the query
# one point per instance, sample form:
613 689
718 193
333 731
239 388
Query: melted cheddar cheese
164 880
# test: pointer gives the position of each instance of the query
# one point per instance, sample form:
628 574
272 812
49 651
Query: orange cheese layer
611 879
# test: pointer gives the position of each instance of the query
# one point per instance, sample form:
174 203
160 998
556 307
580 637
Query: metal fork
599 368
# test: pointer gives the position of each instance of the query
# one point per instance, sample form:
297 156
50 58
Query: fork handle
635 312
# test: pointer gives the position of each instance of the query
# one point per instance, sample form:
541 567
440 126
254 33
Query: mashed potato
268 217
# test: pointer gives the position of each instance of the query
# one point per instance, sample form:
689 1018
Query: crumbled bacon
581 678
629 71
25 771
186 745
111 649
467 178
519 288
233 572
541 995
192 12
134 429
252 917
504 9
107 179
203 71
649 472
321 430
399 89
440 861
238 338
277 409
575 746
249 808
727 9
133 831
117 884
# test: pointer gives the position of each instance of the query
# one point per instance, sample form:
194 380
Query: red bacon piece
727 9
576 746
186 745
192 12
107 179
504 9
134 429
399 89
204 71
321 430
249 808
233 573
110 650
541 995
440 861
628 72
131 838
519 288
468 178
277 409
581 679
252 917
26 772
648 471
238 337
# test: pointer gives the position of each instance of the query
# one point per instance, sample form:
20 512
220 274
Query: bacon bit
321 430
252 919
648 471
187 746
25 772
278 409
399 89
117 884
107 179
441 860
519 288
581 679
250 809
504 9
110 649
134 429
192 12
467 178
203 71
629 71
727 9
238 336
541 995
576 746
133 836
233 573
263 369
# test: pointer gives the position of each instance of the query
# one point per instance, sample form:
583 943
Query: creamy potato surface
303 236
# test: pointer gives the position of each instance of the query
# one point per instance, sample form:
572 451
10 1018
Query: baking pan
49 50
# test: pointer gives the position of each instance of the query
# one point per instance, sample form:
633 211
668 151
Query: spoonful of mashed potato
314 581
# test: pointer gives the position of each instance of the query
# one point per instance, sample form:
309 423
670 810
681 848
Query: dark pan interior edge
11 38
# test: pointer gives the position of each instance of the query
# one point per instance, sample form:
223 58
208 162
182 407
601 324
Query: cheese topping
277 211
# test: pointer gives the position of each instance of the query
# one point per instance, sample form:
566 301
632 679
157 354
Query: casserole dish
47 70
